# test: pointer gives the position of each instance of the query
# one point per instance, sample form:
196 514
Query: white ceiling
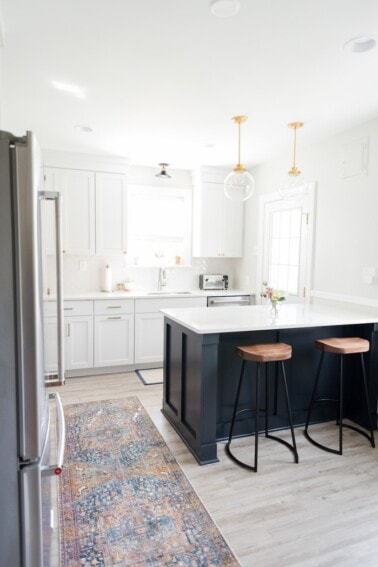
162 78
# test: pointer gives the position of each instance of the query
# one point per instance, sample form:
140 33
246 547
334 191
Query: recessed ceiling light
71 89
224 8
360 44
83 128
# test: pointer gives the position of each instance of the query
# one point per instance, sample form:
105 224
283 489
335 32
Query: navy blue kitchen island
201 370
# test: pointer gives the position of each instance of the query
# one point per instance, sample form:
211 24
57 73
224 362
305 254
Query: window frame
147 191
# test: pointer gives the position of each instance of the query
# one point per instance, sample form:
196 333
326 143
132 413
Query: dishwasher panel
228 300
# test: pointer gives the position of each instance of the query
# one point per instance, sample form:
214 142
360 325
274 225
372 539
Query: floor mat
150 376
124 500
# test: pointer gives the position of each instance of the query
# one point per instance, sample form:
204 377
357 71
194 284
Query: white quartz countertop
150 294
204 320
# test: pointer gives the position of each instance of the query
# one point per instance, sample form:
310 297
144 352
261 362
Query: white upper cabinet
78 214
217 221
111 214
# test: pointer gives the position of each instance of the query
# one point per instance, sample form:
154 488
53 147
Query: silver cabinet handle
68 309
114 317
114 307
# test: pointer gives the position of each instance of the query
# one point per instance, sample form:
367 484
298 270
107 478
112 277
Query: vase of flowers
275 296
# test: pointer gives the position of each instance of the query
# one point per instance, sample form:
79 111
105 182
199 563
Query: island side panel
190 388
355 402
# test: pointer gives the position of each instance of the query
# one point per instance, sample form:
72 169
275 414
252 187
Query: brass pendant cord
295 125
295 147
238 143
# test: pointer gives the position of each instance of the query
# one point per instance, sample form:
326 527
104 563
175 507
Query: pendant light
294 185
239 184
163 172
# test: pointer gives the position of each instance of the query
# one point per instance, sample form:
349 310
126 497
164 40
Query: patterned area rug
124 501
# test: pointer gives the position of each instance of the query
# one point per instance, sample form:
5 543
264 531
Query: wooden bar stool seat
342 347
262 354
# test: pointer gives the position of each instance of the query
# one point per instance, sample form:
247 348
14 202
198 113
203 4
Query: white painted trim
344 298
86 162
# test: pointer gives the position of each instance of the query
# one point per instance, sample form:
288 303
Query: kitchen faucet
162 278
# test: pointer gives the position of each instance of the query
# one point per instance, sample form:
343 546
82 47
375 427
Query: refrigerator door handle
59 291
59 380
57 467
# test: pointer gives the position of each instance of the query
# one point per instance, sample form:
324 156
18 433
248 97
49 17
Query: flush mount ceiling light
294 185
163 172
239 184
224 8
70 89
360 44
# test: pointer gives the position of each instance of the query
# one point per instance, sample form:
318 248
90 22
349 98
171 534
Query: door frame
307 202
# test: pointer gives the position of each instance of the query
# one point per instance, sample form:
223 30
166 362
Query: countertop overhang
202 320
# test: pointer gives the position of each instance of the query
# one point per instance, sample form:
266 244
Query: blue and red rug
124 500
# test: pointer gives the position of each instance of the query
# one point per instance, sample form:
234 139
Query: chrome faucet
162 279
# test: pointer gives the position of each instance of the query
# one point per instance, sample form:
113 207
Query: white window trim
186 194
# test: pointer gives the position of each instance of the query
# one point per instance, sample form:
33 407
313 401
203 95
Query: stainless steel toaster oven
213 281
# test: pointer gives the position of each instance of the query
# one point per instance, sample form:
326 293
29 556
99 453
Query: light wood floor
320 512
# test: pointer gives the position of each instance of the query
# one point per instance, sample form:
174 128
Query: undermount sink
169 293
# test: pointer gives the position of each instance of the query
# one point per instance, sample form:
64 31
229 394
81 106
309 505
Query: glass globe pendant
239 184
294 185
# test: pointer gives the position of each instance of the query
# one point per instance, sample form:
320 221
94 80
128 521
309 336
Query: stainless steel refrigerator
31 442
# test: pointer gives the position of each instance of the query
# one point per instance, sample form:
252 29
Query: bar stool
340 346
262 353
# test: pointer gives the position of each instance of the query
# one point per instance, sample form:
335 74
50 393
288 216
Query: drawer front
72 308
113 306
154 305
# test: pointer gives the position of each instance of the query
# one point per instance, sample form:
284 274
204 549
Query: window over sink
159 225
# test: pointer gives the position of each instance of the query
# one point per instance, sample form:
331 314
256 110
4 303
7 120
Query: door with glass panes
287 236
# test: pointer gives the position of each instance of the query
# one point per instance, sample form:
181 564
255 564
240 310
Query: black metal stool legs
293 446
366 393
237 412
257 410
339 403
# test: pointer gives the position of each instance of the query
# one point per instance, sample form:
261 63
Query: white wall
346 227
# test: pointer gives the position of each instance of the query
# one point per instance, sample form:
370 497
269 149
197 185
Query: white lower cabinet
78 336
149 325
79 342
114 340
149 337
114 332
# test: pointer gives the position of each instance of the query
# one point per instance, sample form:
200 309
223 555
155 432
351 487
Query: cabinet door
218 223
78 214
111 210
77 189
114 340
231 229
79 342
208 211
149 337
